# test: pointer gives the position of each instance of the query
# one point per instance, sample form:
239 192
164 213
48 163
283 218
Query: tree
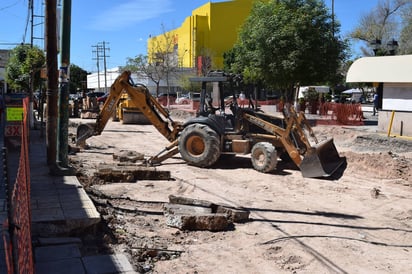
381 25
163 57
78 77
140 66
206 64
284 42
25 62
405 39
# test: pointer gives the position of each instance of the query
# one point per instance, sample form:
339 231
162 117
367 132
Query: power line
33 24
10 6
29 11
100 51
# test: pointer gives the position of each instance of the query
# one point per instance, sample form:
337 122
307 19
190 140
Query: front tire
264 157
199 145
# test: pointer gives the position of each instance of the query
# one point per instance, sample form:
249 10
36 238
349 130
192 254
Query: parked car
182 99
164 95
103 98
162 98
96 94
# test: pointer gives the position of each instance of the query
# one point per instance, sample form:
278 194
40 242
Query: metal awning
381 69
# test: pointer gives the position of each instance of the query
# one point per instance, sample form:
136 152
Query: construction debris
128 156
211 222
129 173
193 214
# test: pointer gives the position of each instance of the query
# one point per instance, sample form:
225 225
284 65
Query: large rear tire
264 157
199 145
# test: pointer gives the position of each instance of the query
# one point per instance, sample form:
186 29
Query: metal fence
17 227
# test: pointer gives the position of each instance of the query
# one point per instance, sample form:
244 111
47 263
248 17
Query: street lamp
392 46
376 45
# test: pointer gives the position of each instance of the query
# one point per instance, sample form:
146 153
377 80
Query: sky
124 26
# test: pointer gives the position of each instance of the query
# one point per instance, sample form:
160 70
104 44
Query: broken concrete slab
110 173
128 156
185 209
235 215
211 222
190 201
194 214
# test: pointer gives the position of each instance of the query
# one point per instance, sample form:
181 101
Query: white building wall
94 79
397 96
396 109
112 74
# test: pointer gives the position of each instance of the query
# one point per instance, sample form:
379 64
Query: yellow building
203 37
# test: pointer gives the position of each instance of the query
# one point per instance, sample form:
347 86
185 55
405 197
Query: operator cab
213 103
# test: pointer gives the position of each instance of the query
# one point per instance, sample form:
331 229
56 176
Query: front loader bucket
84 131
321 161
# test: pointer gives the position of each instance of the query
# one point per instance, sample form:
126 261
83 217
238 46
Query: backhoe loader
222 127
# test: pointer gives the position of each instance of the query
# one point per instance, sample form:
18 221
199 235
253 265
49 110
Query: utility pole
105 67
33 24
100 51
97 58
64 85
52 83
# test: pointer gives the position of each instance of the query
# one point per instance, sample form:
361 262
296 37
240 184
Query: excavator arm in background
147 104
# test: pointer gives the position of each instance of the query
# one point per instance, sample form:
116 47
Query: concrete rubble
193 214
129 173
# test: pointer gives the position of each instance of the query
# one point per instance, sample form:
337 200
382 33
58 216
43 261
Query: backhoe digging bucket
321 161
84 131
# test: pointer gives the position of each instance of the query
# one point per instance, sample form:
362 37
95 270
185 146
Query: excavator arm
141 97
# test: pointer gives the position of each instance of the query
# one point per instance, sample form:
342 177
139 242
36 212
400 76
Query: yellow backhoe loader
223 127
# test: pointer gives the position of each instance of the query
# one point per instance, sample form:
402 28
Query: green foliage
187 85
78 78
405 39
24 61
284 42
155 71
139 63
228 59
312 95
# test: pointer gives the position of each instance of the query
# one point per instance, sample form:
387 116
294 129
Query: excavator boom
147 104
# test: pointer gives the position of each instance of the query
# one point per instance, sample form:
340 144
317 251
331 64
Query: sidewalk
59 205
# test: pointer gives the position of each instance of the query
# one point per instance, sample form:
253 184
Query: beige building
394 75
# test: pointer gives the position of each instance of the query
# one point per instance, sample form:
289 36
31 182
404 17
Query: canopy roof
381 69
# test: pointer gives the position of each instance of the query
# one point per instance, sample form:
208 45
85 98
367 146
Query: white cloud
130 13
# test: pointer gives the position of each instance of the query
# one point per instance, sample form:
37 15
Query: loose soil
357 221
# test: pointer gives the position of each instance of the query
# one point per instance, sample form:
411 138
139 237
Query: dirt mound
181 114
384 165
379 142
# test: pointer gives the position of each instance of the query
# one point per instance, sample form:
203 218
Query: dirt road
358 222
